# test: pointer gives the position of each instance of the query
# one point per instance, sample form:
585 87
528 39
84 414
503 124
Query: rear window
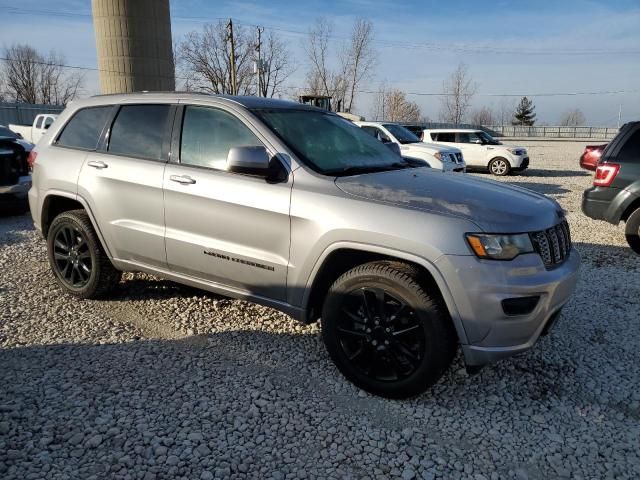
630 151
84 128
139 131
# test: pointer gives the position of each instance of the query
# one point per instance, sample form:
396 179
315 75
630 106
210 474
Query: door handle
99 164
182 179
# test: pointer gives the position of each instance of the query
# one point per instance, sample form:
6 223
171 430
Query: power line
458 48
424 94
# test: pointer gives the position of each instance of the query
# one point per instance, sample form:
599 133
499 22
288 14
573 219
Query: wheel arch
635 205
341 257
57 202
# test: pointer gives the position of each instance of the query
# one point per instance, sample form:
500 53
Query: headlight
517 151
499 247
438 155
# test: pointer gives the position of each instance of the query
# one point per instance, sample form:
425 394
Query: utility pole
619 115
232 60
259 61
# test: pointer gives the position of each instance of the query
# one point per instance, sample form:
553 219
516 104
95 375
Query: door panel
228 228
127 201
224 227
474 154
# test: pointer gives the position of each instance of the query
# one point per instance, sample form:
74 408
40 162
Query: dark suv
615 195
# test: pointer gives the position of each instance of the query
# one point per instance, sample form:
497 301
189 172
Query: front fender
398 254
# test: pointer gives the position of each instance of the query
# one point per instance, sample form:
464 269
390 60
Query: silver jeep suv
298 209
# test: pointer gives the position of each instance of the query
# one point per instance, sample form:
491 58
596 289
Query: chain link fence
600 133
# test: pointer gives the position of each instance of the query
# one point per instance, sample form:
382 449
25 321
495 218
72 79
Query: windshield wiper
356 169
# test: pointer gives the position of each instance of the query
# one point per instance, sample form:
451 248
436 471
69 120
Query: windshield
329 144
486 138
402 134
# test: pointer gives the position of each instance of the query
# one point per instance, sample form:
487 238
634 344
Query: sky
510 47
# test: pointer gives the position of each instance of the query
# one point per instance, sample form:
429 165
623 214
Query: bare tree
278 65
505 111
482 116
356 62
205 58
392 105
572 118
458 91
361 58
31 77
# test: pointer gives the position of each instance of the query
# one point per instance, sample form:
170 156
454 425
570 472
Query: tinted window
84 129
208 134
376 133
630 152
444 137
139 131
48 121
39 122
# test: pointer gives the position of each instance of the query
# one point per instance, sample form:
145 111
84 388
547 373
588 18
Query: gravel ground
163 381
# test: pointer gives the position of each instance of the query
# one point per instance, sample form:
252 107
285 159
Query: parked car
293 207
15 179
591 155
6 132
446 159
33 133
481 151
615 194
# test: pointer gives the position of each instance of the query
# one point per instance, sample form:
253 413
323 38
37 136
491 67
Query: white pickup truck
33 133
439 157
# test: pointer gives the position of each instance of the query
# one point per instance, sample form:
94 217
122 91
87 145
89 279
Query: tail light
31 159
605 174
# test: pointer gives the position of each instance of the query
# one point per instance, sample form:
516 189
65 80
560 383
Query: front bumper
478 288
18 190
519 162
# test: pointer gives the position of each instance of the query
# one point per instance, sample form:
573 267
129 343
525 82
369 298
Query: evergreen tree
525 114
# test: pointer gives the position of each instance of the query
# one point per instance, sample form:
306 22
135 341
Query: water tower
133 43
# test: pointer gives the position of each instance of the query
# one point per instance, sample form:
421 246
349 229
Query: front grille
458 157
553 245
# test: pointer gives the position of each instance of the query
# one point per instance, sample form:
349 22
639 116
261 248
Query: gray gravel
164 382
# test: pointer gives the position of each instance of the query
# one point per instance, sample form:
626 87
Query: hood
429 148
493 206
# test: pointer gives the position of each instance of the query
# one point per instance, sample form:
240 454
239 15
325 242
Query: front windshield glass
486 138
327 143
402 134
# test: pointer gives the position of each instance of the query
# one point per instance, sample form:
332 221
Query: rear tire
77 258
632 231
385 332
500 167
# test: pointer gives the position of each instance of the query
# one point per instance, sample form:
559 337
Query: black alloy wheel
72 257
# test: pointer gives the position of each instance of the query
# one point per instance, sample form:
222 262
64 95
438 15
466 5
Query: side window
630 151
446 137
370 130
139 131
208 134
47 122
39 122
84 128
463 137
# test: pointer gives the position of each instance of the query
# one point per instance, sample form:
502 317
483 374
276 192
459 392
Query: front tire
632 231
500 167
385 332
76 257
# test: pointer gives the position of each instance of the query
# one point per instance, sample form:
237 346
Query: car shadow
535 172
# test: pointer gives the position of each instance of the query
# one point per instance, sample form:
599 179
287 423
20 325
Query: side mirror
394 147
477 141
248 160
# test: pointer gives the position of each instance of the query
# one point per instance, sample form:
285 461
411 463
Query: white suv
481 150
439 157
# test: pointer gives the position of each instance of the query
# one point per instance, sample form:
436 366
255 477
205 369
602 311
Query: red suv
591 155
